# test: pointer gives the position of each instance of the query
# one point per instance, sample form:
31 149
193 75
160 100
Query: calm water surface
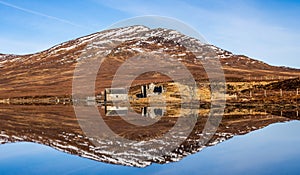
274 149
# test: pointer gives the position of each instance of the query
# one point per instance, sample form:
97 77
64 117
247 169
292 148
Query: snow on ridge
104 38
221 52
120 35
173 35
9 58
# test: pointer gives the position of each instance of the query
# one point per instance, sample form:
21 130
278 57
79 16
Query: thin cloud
42 15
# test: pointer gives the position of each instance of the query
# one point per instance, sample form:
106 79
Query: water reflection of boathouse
116 111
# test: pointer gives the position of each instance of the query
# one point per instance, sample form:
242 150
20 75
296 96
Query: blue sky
266 30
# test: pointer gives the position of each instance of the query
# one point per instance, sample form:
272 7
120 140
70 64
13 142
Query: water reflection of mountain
58 127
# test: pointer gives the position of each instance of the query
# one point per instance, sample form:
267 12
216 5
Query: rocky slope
50 72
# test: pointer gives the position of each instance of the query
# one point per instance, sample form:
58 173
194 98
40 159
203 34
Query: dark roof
116 91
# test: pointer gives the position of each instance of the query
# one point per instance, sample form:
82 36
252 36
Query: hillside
50 73
288 85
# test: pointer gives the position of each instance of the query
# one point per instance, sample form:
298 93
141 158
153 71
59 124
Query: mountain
47 76
49 73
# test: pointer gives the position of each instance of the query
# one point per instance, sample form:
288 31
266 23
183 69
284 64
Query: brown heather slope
50 72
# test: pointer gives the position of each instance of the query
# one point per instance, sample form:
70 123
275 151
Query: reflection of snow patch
182 54
137 49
